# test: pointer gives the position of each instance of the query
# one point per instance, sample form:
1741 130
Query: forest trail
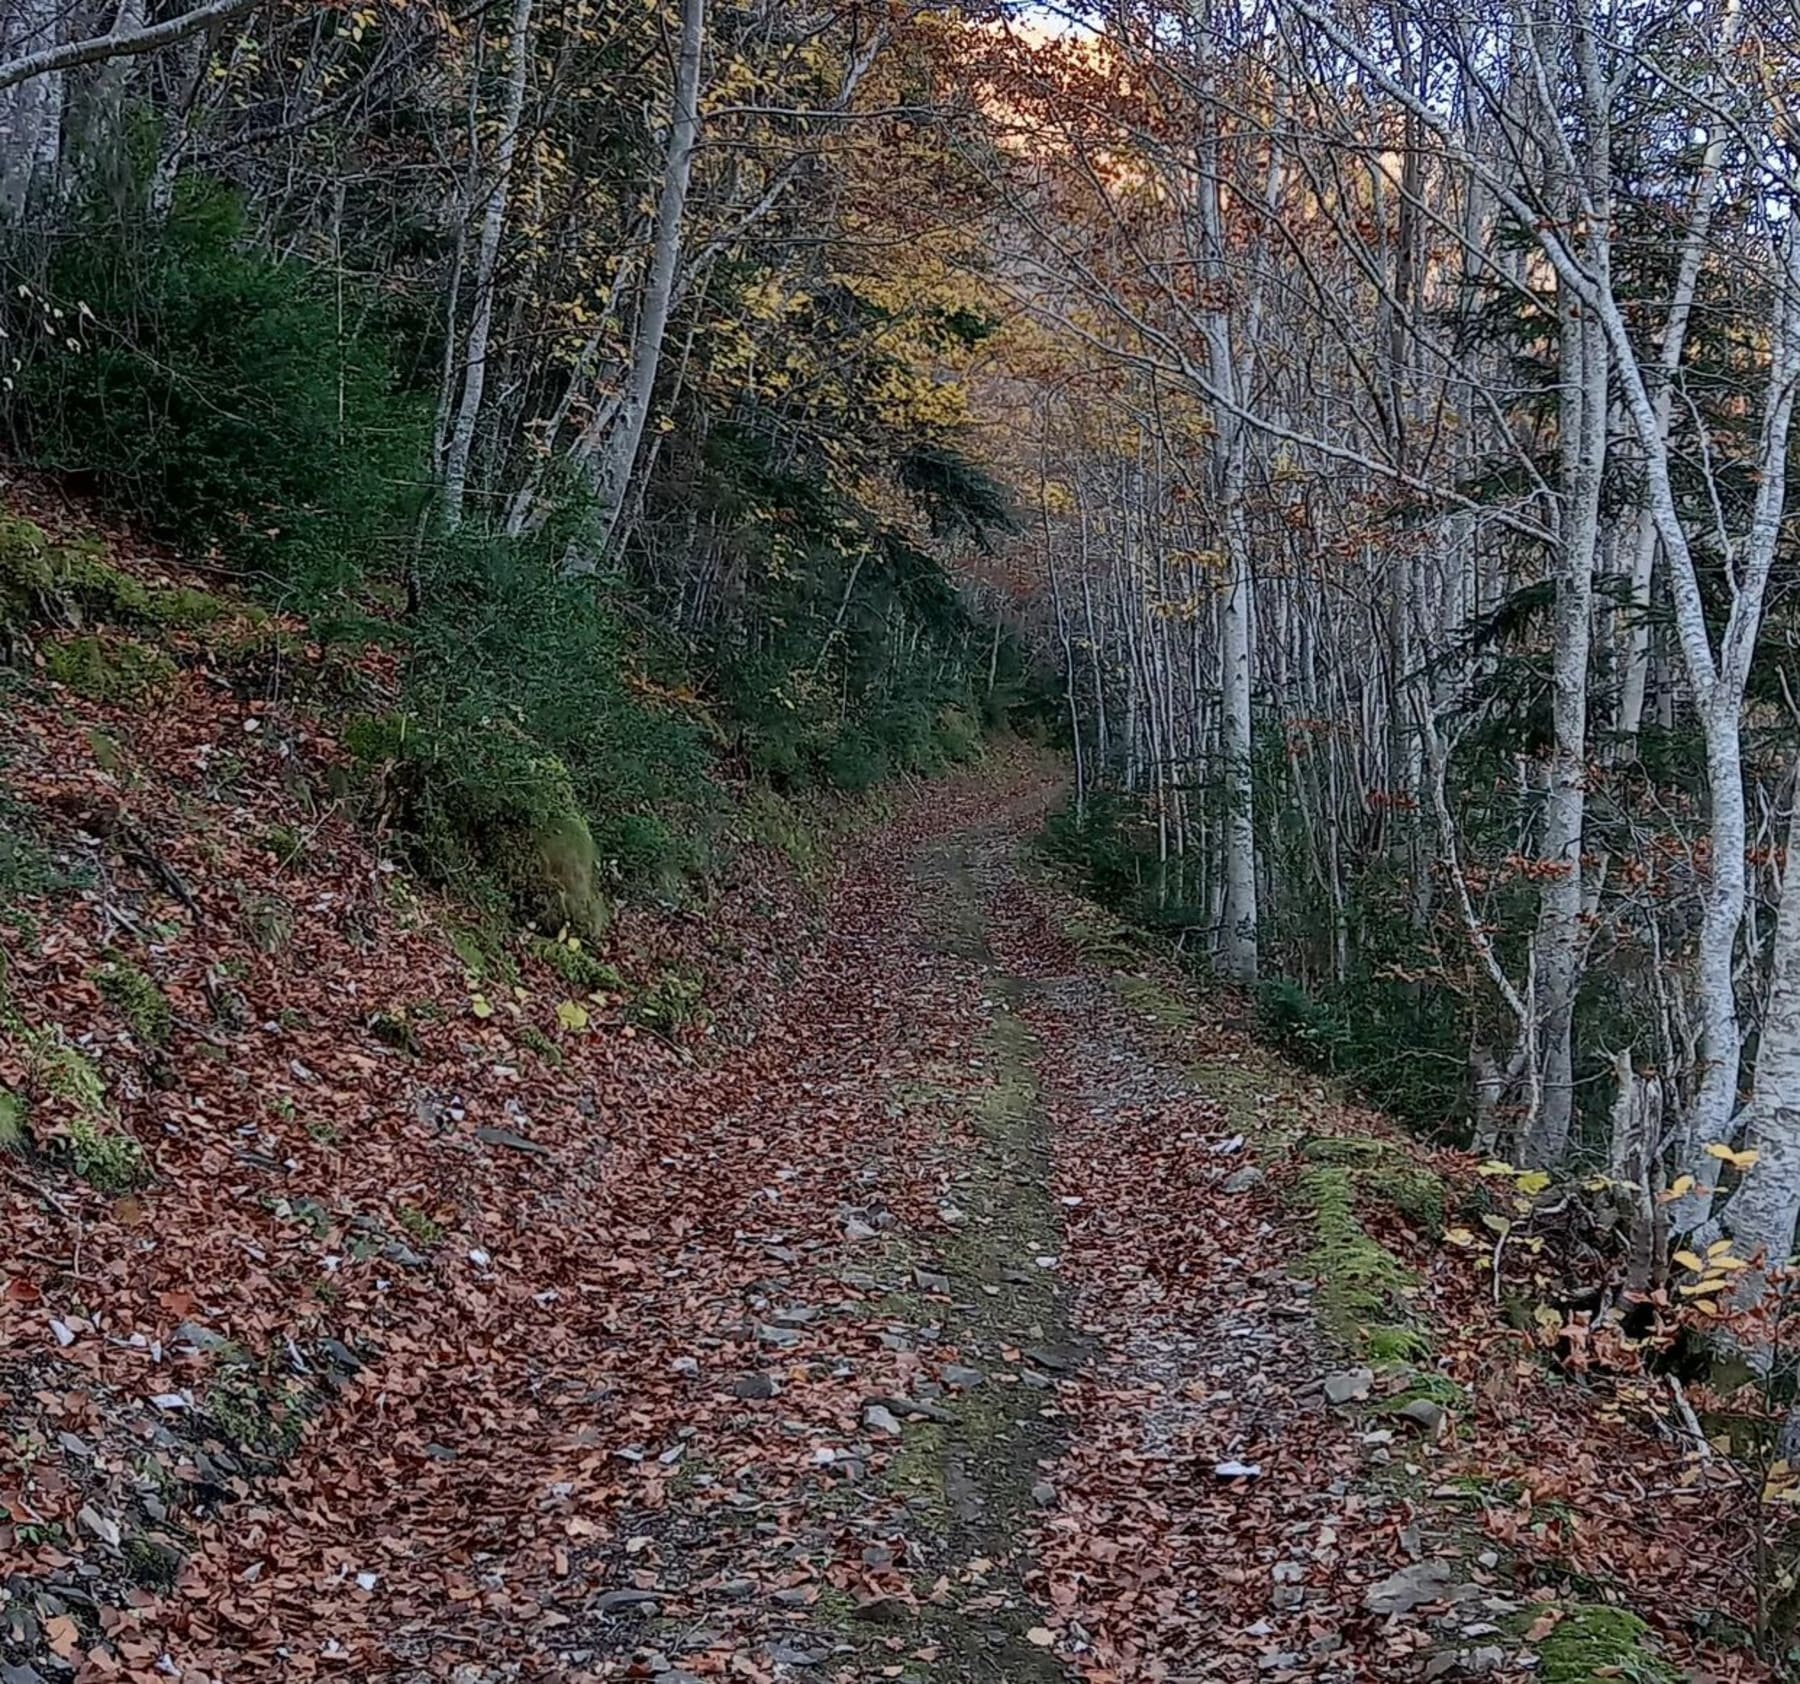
968 1309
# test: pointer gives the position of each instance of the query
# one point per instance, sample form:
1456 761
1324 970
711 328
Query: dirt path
905 1341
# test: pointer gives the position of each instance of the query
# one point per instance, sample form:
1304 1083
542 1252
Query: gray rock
878 1418
201 1337
687 1367
1044 1494
858 1230
1349 1386
926 1281
756 1388
617 1601
783 1338
962 1379
1242 1180
1430 1418
490 1136
1412 1587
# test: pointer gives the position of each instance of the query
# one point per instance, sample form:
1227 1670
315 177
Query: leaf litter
380 1345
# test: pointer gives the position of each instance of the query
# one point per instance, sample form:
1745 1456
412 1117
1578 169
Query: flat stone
1242 1180
927 1281
880 1419
615 1601
962 1379
1414 1586
1350 1386
490 1136
1044 1494
755 1388
1430 1418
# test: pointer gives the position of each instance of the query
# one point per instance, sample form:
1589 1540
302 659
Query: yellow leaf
1718 1249
1459 1236
1534 1181
1706 1306
1695 1289
1548 1319
1688 1260
478 1004
1498 1224
1737 1160
1494 1167
571 1014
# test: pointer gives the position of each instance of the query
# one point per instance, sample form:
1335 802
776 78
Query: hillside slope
877 1274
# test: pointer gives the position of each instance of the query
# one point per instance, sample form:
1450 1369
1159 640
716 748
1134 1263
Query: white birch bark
616 453
461 441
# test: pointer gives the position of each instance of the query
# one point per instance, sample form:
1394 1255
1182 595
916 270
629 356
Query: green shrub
854 763
219 392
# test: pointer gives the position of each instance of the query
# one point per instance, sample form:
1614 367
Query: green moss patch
1384 1173
1361 1284
576 966
139 1001
44 584
1594 1641
120 672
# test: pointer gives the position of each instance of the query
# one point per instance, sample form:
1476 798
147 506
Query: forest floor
970 1299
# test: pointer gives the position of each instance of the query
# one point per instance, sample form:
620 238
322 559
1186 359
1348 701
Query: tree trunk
487 258
616 453
1763 1212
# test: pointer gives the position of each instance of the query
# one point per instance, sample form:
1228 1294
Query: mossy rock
556 875
1360 1282
140 1002
485 812
1595 1641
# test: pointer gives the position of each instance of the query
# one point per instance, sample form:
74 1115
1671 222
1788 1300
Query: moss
481 810
1360 1281
120 672
1384 1172
672 1003
1141 994
1395 1346
14 1132
557 874
286 843
1594 1640
257 1414
139 1001
45 584
394 1029
107 1159
770 821
151 1563
423 1228
572 962
535 1040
